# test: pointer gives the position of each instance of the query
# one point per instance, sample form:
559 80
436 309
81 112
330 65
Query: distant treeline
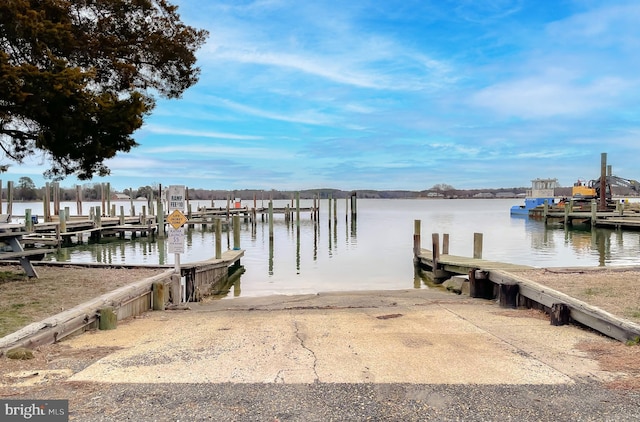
25 190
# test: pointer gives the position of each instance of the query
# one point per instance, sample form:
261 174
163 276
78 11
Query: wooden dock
494 280
621 217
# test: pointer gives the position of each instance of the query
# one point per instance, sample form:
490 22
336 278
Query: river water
373 251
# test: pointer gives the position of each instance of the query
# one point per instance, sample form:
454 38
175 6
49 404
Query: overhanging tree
78 77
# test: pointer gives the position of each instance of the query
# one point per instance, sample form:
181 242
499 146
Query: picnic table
11 234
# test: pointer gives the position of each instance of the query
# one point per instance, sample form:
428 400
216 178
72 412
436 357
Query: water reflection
374 250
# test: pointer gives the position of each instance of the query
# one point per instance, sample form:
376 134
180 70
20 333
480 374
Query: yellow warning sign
176 219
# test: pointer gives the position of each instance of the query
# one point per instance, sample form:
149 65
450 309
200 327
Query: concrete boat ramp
412 336
410 355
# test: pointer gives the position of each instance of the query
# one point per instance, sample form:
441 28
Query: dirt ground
24 300
616 291
57 288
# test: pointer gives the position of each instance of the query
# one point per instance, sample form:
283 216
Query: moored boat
542 190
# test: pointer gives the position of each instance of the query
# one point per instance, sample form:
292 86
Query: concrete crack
304 346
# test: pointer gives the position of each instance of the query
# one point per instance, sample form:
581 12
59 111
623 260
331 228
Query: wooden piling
298 210
108 319
270 219
477 245
78 200
603 182
508 297
560 314
10 197
63 221
28 221
435 250
236 232
445 244
160 218
158 296
416 237
218 225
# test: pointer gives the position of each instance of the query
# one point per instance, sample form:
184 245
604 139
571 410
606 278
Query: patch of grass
9 276
632 313
11 320
634 341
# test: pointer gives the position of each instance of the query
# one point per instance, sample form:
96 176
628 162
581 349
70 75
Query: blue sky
395 95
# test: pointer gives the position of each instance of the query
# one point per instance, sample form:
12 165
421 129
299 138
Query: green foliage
77 78
633 342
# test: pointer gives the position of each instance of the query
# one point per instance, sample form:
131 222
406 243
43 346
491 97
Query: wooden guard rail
513 291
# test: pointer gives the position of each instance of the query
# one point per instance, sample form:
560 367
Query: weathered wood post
298 210
63 221
509 295
56 198
479 285
445 244
108 318
28 221
108 193
435 252
566 213
560 314
354 206
416 238
158 296
102 198
236 232
160 218
218 225
121 219
477 245
10 197
46 204
329 208
132 210
594 212
79 200
270 219
603 182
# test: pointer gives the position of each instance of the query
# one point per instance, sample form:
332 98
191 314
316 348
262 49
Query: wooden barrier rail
513 290
133 299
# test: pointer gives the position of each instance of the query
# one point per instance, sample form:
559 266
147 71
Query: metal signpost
176 220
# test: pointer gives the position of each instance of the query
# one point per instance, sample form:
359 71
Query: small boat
542 190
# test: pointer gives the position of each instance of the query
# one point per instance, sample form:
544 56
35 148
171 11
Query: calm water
374 252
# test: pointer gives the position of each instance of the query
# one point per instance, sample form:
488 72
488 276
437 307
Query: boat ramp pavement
377 355
417 336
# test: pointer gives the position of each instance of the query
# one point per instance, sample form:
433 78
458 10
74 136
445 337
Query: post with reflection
298 211
218 225
335 212
270 220
416 237
160 219
236 232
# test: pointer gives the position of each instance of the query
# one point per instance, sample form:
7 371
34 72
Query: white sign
175 240
176 197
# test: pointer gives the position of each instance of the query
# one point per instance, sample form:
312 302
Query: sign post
176 220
